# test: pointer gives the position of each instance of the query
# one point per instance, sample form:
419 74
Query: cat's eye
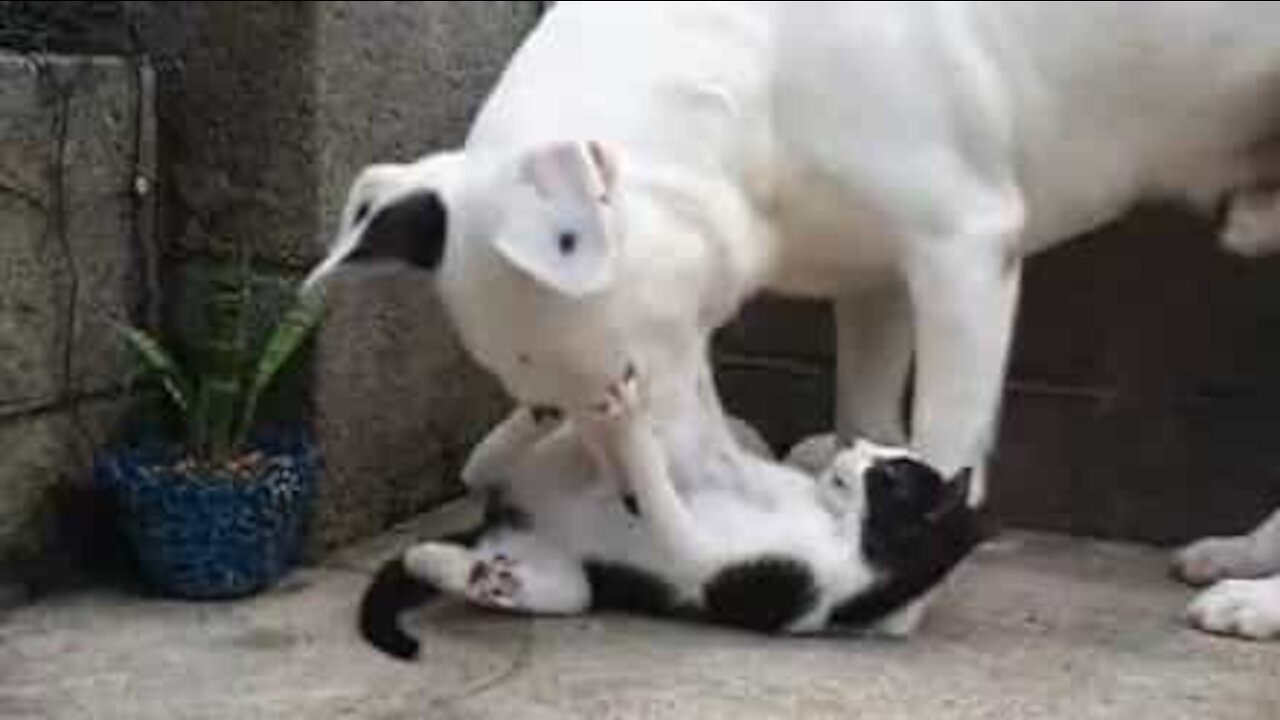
839 482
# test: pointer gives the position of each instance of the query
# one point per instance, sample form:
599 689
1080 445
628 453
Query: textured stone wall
75 135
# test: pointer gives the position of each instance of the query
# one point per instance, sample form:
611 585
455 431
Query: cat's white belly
597 527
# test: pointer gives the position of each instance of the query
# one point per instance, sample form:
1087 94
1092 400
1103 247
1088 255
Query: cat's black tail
393 590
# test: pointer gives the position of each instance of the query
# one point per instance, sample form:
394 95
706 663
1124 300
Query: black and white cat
777 551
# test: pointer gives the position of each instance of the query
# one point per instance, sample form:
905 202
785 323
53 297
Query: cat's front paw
621 398
1247 609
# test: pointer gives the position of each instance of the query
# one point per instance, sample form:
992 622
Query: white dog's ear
570 243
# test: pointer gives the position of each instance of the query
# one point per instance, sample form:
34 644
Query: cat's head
914 524
883 484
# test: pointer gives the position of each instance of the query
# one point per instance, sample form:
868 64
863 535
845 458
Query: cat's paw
1212 559
1247 609
493 583
621 398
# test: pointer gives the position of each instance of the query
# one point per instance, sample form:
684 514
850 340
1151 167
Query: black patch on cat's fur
765 594
901 495
543 413
918 529
410 230
615 586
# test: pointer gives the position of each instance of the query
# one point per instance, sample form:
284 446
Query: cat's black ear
961 483
410 229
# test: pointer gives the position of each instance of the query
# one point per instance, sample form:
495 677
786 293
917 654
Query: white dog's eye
838 481
568 242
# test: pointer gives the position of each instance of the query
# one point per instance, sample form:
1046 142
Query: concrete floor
1034 627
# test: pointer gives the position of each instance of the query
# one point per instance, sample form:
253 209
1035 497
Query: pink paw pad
493 583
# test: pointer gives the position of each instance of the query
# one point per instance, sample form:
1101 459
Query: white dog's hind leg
1242 557
1248 609
873 360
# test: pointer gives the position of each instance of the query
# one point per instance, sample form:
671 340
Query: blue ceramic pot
217 534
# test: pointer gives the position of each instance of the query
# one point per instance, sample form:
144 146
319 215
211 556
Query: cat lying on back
779 552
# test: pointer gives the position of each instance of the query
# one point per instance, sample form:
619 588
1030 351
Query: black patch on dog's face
615 586
410 230
765 594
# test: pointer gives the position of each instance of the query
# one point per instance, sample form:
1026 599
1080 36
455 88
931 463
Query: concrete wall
74 136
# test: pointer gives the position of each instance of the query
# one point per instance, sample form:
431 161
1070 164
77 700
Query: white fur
1242 557
1248 609
902 159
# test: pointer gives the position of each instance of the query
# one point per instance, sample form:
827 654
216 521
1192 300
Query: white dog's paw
1212 559
1248 609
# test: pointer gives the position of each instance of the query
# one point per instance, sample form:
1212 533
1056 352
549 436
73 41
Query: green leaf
160 363
221 395
288 337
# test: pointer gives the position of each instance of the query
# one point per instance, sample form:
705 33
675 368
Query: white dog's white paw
1248 609
1212 559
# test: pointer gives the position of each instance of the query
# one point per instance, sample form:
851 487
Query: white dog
643 167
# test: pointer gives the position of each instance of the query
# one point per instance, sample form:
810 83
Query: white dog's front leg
965 301
873 360
1241 557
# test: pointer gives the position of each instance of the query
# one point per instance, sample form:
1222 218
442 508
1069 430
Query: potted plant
220 510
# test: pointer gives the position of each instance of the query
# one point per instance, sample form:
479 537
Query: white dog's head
561 271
